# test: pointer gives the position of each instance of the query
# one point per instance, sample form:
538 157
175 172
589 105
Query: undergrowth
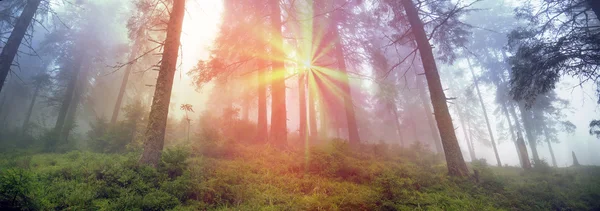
230 176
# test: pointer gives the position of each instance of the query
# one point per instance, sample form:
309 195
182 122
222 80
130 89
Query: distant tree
187 108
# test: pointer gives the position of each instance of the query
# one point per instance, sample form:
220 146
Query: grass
235 177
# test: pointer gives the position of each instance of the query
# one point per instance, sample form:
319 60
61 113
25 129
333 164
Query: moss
331 177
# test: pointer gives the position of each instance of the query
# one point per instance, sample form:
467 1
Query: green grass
235 177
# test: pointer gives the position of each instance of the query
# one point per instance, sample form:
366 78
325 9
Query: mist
187 103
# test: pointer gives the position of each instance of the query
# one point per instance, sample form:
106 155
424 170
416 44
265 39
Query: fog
103 29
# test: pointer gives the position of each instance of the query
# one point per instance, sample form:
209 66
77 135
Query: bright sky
200 27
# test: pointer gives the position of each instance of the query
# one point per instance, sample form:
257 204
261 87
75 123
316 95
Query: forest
299 105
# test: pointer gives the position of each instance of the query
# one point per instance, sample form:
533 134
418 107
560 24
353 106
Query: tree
155 131
40 81
454 158
278 136
187 108
9 51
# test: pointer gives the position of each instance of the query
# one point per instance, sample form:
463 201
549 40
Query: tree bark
124 82
550 148
312 111
487 120
155 132
68 98
9 51
261 137
30 109
525 162
454 158
278 135
464 129
353 136
302 129
435 134
527 123
393 108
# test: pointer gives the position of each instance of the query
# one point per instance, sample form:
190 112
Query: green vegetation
238 177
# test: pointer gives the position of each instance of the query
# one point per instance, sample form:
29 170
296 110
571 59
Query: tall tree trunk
30 109
302 129
513 134
353 136
487 120
278 108
312 111
414 127
261 122
71 114
9 51
550 148
435 134
525 162
454 158
68 97
154 137
393 108
467 137
527 124
124 82
575 161
6 110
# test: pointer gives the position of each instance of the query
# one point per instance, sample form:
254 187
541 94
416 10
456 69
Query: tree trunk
278 135
9 51
30 109
71 114
487 120
155 132
454 158
414 127
302 129
527 123
68 98
312 111
435 134
397 122
514 136
261 136
550 148
124 82
353 136
575 161
464 129
525 162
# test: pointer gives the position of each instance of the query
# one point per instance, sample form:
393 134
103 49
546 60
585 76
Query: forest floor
235 177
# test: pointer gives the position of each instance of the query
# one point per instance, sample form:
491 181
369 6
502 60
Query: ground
329 177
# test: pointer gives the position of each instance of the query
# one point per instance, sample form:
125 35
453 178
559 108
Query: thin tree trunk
512 133
30 109
435 134
302 129
550 148
261 137
525 162
68 97
312 111
9 51
397 122
155 132
278 108
124 82
414 127
71 114
471 143
454 158
527 123
575 161
464 129
353 136
487 120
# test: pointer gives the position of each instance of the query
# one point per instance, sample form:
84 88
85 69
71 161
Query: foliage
376 177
